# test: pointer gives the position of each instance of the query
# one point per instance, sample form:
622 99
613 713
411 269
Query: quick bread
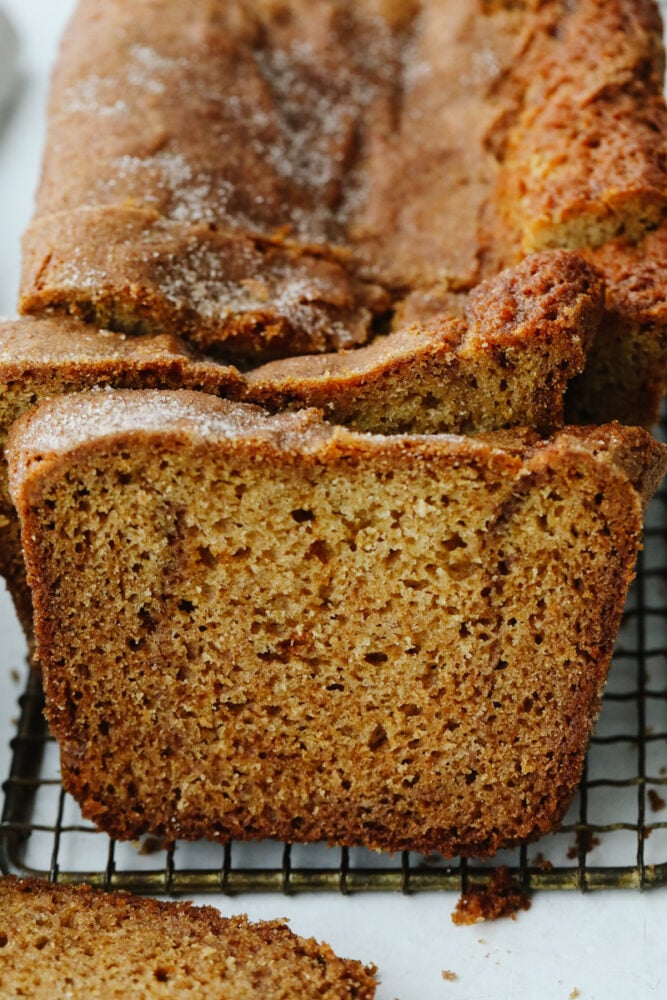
85 944
423 219
411 657
288 177
507 361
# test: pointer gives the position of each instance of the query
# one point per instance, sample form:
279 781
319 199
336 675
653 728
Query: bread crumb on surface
449 976
585 842
656 800
501 897
151 845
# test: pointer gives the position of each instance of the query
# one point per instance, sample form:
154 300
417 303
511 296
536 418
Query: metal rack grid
614 835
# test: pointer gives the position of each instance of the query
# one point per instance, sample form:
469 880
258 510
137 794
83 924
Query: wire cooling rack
614 835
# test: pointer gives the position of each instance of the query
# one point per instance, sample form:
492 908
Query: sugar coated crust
412 658
85 944
295 177
523 336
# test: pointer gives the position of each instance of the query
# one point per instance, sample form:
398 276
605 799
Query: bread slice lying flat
266 626
75 942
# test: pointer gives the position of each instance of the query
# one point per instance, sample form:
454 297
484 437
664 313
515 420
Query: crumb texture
411 658
89 945
506 362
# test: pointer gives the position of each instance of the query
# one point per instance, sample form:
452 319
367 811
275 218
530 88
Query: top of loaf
47 340
66 423
281 178
63 423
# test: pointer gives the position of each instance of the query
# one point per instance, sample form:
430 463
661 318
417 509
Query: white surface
605 946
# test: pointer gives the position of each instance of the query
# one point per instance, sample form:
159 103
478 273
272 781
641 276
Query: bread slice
266 626
507 362
47 357
285 177
76 942
525 334
625 363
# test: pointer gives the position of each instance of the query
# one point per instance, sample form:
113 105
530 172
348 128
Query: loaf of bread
287 177
83 944
507 362
345 623
256 625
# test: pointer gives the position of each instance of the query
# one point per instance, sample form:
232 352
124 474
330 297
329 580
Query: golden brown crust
524 336
204 171
582 154
412 659
87 944
279 178
631 449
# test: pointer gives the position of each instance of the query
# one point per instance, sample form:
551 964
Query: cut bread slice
48 357
85 944
506 362
524 335
257 625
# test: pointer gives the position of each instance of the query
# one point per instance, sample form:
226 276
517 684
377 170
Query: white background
604 945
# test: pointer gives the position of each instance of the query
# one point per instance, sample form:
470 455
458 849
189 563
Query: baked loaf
61 941
524 335
293 176
411 658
